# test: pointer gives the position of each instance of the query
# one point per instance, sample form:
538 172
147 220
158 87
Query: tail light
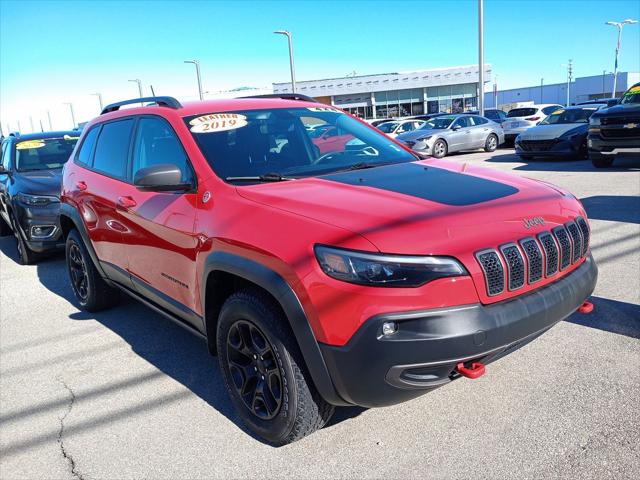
532 119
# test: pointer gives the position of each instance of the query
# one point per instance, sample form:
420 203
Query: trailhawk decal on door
426 182
217 122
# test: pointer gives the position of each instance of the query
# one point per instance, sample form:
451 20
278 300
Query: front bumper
48 219
374 370
612 146
559 148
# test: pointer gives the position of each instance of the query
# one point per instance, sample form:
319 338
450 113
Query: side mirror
456 127
164 177
4 171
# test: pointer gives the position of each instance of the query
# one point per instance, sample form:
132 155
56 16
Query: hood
39 182
620 109
419 133
426 207
549 132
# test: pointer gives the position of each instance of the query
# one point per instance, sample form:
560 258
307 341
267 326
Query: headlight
380 270
424 139
36 200
594 121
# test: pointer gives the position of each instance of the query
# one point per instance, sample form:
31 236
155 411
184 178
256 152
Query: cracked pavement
127 394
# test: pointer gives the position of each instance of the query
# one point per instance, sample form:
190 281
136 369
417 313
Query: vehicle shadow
171 349
611 316
563 164
616 208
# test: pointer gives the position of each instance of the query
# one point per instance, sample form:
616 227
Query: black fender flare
72 214
277 286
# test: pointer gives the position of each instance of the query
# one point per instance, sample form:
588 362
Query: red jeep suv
352 274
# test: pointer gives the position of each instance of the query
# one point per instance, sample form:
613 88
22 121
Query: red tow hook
475 371
586 307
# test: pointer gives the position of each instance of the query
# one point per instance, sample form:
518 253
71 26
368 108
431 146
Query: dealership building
399 94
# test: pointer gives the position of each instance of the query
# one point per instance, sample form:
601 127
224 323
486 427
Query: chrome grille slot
493 271
565 246
584 228
576 239
550 252
515 265
534 258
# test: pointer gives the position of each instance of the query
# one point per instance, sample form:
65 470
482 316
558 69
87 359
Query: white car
520 119
396 127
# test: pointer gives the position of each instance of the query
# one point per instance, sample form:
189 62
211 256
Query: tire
26 256
439 149
89 288
600 161
259 356
491 143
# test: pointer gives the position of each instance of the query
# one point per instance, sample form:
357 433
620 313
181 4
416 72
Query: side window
548 110
112 148
462 122
156 143
5 155
479 121
86 149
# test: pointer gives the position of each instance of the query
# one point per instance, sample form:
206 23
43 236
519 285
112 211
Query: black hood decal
426 182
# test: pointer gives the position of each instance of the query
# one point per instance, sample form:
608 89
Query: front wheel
5 229
264 372
439 149
601 161
491 143
89 288
26 256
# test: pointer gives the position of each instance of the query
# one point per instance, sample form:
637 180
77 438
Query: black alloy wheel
78 272
254 369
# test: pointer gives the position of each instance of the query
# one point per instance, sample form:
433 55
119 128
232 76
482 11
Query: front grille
584 228
622 120
550 253
515 265
620 132
537 145
576 240
545 256
534 258
493 271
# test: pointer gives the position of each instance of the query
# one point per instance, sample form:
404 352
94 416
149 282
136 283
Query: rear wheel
264 371
89 288
439 149
491 143
601 161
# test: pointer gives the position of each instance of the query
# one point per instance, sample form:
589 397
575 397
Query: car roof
44 135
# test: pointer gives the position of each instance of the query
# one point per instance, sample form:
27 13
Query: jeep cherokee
352 274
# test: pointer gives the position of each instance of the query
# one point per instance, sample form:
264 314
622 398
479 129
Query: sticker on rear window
29 144
557 112
322 109
217 122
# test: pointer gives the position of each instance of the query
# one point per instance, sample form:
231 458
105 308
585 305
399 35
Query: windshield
44 154
521 112
256 143
438 123
632 95
387 127
574 115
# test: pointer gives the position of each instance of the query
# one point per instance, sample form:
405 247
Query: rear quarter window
85 153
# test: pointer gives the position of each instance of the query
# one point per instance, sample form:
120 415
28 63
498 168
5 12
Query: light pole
197 64
481 58
33 129
73 116
291 62
99 95
619 25
49 117
137 80
541 85
569 77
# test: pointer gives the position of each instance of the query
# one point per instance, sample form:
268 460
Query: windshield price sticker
322 109
557 112
30 144
217 122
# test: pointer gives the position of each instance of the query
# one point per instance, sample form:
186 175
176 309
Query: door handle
126 202
80 185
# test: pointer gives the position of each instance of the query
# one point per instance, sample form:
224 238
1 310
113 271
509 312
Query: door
96 189
162 244
479 131
460 136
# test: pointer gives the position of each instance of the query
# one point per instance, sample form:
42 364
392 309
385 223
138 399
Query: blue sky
53 52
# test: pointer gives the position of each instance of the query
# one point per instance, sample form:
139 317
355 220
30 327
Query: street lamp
49 117
197 64
291 62
137 80
99 95
619 25
73 116
481 58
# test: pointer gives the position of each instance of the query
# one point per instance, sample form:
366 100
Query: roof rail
169 102
285 96
14 134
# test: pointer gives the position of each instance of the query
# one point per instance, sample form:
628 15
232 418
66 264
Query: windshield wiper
362 166
267 177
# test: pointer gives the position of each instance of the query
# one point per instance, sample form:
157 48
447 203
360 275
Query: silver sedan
453 133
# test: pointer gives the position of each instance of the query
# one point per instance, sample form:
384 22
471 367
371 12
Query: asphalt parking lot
127 394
